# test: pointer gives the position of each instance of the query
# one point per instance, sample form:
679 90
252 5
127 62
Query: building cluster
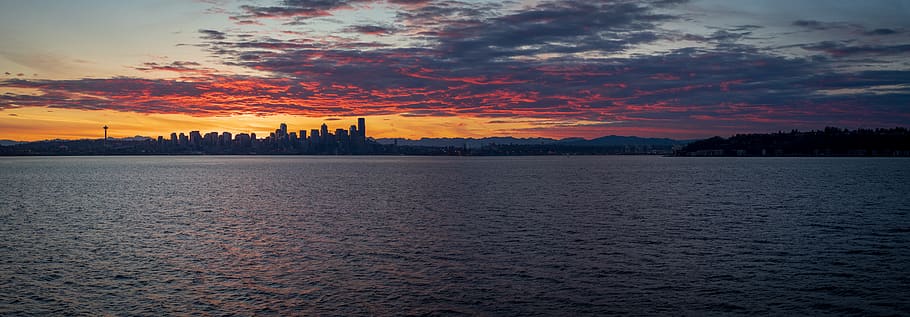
339 141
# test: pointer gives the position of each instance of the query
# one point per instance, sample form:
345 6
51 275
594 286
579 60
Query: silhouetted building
315 137
243 139
324 133
227 138
195 138
210 138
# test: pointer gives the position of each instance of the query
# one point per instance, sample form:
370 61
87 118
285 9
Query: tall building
210 138
195 138
227 138
362 127
314 136
243 139
324 133
284 130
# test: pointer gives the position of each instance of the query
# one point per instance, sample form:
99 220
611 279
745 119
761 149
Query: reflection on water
450 236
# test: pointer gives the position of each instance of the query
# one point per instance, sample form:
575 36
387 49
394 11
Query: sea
454 236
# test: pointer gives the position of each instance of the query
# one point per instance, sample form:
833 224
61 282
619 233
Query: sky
424 68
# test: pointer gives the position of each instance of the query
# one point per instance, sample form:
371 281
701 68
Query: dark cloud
845 49
183 67
850 27
571 62
410 2
212 35
816 25
370 29
301 9
882 32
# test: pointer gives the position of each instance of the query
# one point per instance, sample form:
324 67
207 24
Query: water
505 236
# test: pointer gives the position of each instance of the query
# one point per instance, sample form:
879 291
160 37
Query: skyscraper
195 138
324 132
283 129
314 136
362 127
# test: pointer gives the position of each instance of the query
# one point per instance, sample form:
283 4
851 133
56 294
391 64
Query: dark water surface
502 236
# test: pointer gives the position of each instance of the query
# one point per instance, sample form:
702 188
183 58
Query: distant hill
9 142
472 143
616 140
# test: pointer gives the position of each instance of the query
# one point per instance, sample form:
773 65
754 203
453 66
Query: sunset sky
661 68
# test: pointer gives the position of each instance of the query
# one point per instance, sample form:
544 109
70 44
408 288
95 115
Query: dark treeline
828 142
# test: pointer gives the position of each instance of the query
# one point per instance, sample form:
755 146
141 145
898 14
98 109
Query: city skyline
356 133
550 68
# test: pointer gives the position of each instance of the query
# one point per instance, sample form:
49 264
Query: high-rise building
314 136
283 130
302 135
362 127
195 138
210 138
243 139
227 138
324 131
341 135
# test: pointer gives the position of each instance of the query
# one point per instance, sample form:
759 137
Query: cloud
844 49
296 9
212 34
814 25
883 31
569 65
371 29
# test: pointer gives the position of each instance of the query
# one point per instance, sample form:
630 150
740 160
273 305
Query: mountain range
610 140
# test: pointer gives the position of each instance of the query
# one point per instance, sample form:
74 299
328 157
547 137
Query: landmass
828 142
497 146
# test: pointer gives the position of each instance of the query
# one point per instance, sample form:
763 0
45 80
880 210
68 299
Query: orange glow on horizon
41 123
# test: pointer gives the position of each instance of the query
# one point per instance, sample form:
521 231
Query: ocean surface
451 236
